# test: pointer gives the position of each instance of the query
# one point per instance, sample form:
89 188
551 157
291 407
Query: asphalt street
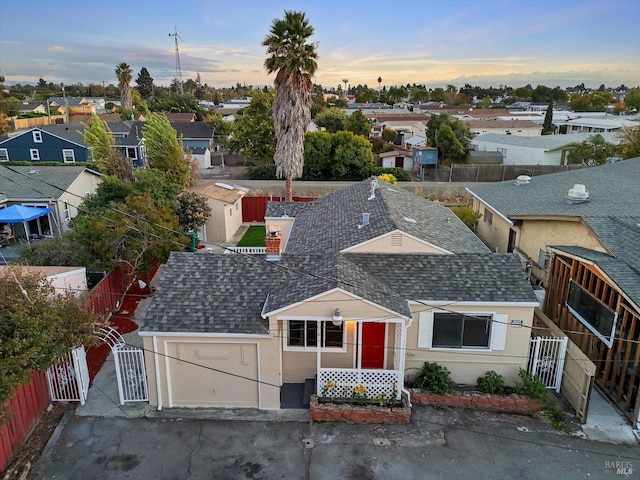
438 444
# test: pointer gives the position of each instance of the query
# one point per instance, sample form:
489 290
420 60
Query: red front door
373 344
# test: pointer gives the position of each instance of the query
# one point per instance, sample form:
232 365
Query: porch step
309 389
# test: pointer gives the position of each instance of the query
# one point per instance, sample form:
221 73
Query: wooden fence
31 399
22 123
254 208
24 411
578 372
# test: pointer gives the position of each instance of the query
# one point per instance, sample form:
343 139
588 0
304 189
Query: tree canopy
165 150
123 73
294 61
332 120
358 124
104 150
145 83
593 151
253 132
37 326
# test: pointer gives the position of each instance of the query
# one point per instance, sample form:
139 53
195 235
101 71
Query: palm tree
123 72
294 61
379 83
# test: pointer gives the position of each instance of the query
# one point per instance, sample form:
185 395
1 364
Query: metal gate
130 368
68 379
546 360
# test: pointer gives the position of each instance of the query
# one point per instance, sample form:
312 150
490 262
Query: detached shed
225 202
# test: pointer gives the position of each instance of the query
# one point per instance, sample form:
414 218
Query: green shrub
400 174
434 378
467 215
262 172
492 382
531 386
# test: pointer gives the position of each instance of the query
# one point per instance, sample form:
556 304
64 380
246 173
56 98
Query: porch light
337 317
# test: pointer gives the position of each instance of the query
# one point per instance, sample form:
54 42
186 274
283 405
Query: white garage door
200 377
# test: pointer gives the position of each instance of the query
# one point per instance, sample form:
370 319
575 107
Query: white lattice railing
246 250
341 382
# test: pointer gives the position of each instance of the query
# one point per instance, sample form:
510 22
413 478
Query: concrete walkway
605 423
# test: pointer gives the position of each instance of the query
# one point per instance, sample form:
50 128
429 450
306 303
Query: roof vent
523 180
578 194
374 186
365 220
223 185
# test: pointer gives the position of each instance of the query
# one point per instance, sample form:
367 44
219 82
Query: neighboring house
596 125
195 134
62 279
78 105
400 158
133 149
529 214
522 128
33 107
539 150
180 117
201 154
415 141
62 189
357 289
579 232
225 202
56 143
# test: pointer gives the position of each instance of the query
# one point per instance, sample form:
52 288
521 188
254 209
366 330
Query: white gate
68 379
130 369
131 375
546 360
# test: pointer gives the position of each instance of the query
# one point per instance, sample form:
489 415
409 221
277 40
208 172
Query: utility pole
178 76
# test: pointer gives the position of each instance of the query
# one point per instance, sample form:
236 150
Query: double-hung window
37 136
35 154
4 155
68 155
304 334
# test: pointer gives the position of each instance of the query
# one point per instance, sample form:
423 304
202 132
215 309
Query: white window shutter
425 330
499 327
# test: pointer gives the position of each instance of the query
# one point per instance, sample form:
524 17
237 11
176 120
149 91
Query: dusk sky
435 43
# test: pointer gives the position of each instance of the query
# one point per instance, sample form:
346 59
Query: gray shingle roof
621 272
331 222
547 142
613 191
44 182
452 278
281 209
217 293
70 132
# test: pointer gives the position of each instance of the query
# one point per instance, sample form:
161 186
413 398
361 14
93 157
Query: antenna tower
178 76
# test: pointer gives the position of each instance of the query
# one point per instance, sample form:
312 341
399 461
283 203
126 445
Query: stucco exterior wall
199 381
496 234
535 235
397 242
467 366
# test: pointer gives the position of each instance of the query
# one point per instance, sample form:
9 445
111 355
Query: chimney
273 242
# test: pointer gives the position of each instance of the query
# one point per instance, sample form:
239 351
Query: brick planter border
481 401
345 412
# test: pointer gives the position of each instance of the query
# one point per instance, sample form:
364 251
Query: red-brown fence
31 399
108 292
254 208
24 411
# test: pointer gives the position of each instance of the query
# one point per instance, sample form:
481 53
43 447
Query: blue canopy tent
22 214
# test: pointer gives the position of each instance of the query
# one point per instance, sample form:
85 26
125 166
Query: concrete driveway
438 444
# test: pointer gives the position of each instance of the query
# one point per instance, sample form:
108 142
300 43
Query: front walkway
605 423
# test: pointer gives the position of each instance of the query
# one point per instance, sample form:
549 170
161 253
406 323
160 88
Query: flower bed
352 411
512 403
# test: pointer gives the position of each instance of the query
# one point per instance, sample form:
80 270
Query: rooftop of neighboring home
180 117
194 129
334 222
34 182
495 123
547 142
73 133
407 118
220 191
612 192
